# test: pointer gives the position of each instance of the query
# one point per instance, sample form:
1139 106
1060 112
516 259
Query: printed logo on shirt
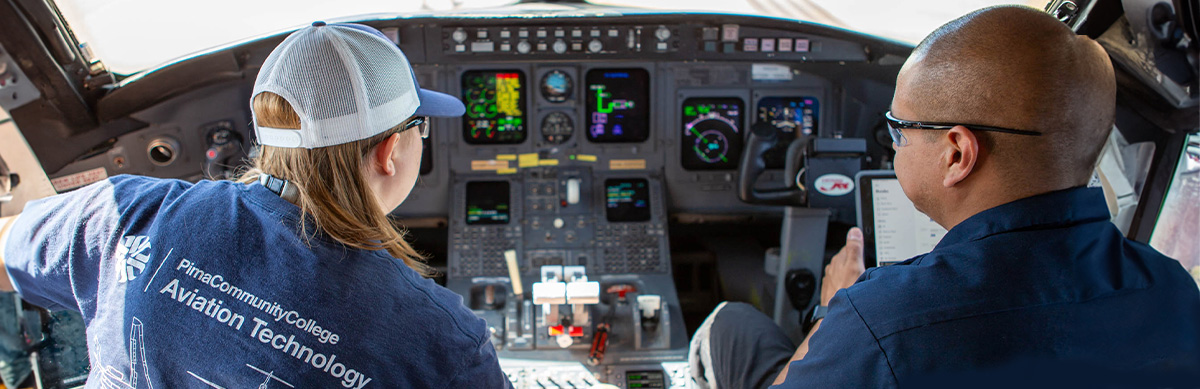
134 253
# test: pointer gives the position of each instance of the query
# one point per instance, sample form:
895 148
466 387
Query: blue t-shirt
213 285
1025 289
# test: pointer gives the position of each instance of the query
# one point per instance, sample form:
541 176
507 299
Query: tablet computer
893 229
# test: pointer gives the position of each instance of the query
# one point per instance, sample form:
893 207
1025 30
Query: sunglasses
898 138
421 123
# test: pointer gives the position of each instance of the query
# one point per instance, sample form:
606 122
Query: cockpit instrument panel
712 133
618 102
487 202
627 200
495 107
792 116
557 127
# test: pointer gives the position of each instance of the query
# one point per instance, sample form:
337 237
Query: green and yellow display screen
495 107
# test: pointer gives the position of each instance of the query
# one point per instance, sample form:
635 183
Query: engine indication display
712 135
495 107
557 128
556 86
792 116
627 200
618 105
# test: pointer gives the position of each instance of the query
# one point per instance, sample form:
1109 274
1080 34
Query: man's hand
845 267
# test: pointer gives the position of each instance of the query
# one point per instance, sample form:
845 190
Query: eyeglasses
422 124
894 126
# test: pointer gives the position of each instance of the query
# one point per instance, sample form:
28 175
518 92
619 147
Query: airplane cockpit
618 172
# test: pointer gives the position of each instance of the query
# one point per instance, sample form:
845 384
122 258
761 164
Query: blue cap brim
438 104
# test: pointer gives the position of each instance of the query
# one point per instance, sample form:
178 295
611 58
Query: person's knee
737 314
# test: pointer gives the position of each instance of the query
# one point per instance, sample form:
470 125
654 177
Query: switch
573 191
649 305
558 222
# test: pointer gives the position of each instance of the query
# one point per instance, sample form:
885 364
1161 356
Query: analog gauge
557 127
556 86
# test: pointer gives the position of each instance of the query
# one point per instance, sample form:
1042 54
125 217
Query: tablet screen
900 230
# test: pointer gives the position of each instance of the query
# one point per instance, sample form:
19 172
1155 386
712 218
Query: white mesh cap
347 82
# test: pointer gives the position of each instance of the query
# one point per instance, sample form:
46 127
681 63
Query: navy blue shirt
213 285
1043 279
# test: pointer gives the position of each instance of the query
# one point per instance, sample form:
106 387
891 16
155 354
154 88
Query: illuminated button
576 46
595 33
505 34
460 48
613 33
505 47
523 47
785 44
559 33
802 45
558 222
541 33
483 47
541 47
523 33
750 45
481 34
661 46
768 45
577 33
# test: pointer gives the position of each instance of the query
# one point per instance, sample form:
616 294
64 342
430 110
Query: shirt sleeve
481 369
56 237
843 353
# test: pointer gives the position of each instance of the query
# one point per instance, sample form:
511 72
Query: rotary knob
459 35
662 33
560 46
523 47
595 46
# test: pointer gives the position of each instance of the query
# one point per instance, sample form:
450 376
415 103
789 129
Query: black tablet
893 229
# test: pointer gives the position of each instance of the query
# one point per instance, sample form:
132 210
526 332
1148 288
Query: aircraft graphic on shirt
112 378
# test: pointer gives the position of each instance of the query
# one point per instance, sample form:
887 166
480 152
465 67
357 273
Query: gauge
556 86
712 136
557 127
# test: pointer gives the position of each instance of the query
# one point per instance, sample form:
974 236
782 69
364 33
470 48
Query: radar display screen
495 107
627 200
618 105
792 116
487 202
712 133
645 379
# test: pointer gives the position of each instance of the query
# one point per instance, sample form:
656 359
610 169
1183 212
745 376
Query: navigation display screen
645 379
487 202
792 116
627 200
618 105
495 107
901 231
712 133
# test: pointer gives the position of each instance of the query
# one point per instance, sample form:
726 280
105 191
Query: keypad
480 250
630 248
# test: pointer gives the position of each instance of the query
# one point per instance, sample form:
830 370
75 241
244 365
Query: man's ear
381 157
961 156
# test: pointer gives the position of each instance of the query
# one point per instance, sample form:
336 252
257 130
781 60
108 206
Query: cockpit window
1179 221
135 35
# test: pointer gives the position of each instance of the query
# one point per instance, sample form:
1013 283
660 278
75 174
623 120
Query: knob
459 35
523 47
558 222
560 46
595 46
662 33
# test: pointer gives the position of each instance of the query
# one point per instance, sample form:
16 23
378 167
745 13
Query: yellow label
506 157
548 162
585 158
527 160
488 164
507 171
627 164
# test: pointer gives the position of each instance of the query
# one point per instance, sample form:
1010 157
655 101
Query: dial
560 46
557 127
556 86
523 47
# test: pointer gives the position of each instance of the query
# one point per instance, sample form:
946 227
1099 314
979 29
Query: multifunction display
487 202
627 200
712 133
618 105
495 107
645 379
792 116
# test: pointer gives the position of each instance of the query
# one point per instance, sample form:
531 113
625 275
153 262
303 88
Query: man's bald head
1016 67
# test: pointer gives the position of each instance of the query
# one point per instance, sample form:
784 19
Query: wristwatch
817 313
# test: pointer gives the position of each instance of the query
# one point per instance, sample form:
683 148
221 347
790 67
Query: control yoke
763 137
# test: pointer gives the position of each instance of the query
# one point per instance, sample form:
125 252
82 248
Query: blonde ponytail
333 191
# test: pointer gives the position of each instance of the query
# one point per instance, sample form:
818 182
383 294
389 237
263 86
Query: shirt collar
1059 208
